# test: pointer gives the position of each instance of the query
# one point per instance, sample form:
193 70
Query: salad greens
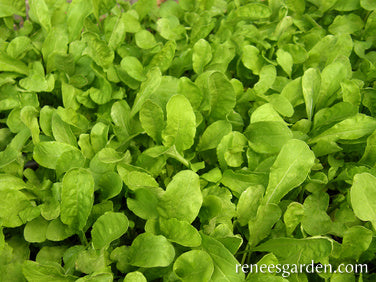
172 143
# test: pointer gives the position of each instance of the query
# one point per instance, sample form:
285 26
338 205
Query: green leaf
356 241
251 59
148 250
12 202
362 193
261 225
62 131
285 60
107 228
152 120
58 231
253 11
350 129
201 56
195 265
145 202
293 216
131 22
222 96
267 75
181 124
213 135
40 13
311 82
224 261
29 117
369 156
179 232
182 199
145 39
10 64
133 67
35 230
36 272
77 196
77 12
48 153
230 150
346 24
268 137
98 50
368 4
135 276
8 9
291 250
289 170
147 89
248 204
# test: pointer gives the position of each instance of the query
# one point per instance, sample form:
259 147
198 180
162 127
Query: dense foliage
172 143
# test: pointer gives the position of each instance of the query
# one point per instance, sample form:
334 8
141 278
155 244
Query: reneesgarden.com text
287 269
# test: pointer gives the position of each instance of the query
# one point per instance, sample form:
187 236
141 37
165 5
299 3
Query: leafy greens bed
172 143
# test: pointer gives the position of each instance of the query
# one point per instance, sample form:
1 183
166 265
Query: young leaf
148 250
108 227
289 170
195 265
77 196
182 199
181 124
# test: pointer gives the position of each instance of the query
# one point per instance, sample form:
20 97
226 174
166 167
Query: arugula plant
171 143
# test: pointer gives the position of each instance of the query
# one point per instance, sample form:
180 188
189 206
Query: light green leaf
261 226
201 56
10 64
284 59
133 67
180 232
356 241
350 129
267 75
36 272
222 96
77 197
195 265
293 216
267 137
48 153
12 202
135 276
251 59
77 12
40 13
350 23
230 150
213 135
363 194
147 88
369 156
145 39
303 251
181 124
152 120
148 250
107 228
368 4
289 170
182 199
311 83
248 204
224 261
35 230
